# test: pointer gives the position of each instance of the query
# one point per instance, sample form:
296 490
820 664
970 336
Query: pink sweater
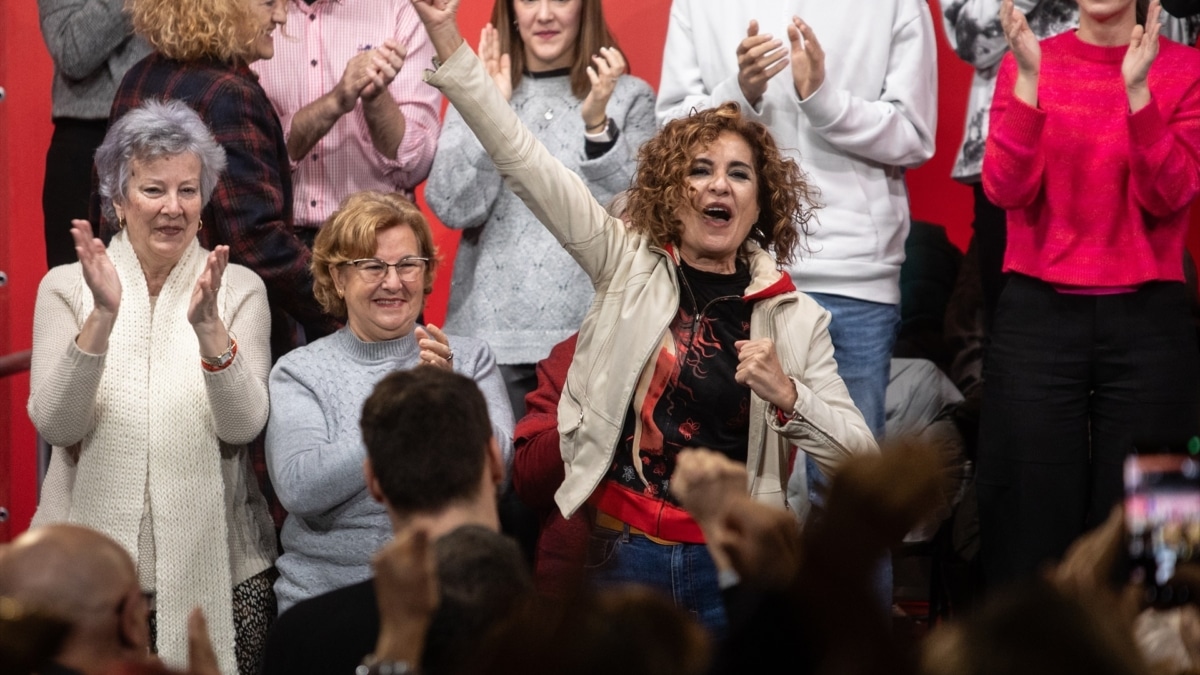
1097 197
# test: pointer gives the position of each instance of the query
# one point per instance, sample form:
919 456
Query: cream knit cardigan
146 418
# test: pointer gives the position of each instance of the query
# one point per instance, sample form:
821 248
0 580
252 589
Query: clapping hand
385 62
759 58
203 308
435 347
1143 49
808 59
607 67
98 271
497 64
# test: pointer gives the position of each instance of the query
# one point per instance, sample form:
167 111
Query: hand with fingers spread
435 347
760 369
1143 49
607 67
98 271
497 64
759 58
807 58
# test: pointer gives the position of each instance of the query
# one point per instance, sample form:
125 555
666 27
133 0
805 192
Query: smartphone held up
1162 516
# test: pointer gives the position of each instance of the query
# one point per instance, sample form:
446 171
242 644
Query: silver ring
450 356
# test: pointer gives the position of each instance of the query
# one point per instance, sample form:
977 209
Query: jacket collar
766 279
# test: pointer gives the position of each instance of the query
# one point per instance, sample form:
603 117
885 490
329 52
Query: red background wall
25 73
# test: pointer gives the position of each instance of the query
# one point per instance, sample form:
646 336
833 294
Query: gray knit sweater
315 453
92 44
513 285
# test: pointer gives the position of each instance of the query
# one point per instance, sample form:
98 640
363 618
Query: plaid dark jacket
251 208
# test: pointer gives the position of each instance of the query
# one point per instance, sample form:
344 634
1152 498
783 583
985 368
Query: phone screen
1162 515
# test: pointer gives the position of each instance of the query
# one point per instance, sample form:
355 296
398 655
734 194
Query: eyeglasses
373 270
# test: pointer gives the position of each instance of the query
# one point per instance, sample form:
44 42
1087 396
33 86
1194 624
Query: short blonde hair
352 232
195 29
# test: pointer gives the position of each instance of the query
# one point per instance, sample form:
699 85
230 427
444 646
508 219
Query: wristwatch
372 666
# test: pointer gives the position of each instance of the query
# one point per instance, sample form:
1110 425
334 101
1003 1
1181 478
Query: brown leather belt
607 522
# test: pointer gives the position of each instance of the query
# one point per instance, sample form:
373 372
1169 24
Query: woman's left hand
759 368
1143 49
435 347
202 311
607 67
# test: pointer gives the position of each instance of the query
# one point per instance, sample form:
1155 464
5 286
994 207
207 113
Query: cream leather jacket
637 295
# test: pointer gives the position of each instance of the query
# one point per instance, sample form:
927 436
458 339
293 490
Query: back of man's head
85 578
482 576
427 434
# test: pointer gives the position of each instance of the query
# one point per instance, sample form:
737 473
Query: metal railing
17 362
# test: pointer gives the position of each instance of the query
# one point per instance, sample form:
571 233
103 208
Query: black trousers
68 185
991 235
1071 384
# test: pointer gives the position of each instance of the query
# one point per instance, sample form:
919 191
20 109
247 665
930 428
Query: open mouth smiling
718 213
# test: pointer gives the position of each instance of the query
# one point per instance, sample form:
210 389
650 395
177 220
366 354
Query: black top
328 634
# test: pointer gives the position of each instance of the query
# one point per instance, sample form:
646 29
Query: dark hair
426 432
593 34
1033 628
482 577
786 201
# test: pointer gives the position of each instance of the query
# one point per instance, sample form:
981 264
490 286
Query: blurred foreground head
85 579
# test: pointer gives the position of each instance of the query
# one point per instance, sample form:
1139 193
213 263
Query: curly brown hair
352 232
199 29
786 200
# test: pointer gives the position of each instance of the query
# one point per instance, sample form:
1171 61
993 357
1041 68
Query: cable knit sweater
315 452
513 285
143 430
1097 197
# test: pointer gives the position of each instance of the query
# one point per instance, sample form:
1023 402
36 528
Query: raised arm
556 195
463 184
81 34
312 466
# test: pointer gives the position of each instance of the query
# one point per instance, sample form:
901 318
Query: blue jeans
685 573
863 334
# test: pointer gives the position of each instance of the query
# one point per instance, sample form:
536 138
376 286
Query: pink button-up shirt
311 53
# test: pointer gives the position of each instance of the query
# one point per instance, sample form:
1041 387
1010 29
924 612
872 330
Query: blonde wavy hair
352 232
189 30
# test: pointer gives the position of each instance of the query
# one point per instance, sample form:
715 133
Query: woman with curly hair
202 54
695 336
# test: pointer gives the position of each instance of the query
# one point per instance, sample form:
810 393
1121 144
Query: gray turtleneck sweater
315 452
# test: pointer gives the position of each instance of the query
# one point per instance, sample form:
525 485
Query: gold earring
201 227
121 224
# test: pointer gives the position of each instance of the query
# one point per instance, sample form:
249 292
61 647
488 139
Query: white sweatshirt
874 116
